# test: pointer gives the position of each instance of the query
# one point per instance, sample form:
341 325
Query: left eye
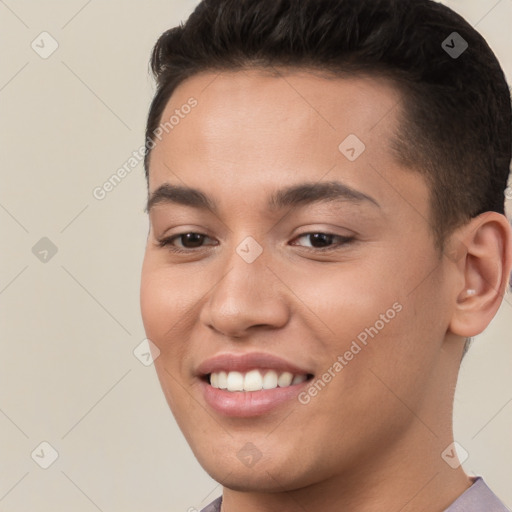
324 241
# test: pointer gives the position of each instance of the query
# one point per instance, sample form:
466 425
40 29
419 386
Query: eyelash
345 240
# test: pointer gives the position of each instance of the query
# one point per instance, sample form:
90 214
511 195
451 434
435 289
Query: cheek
343 298
402 346
366 313
155 306
165 320
165 299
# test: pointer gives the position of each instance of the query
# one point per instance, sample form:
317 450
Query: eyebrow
290 197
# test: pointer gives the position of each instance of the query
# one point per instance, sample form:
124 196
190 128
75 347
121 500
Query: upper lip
248 361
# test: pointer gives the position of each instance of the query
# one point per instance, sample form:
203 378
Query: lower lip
244 404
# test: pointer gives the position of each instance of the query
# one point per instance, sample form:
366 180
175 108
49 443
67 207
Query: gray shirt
478 498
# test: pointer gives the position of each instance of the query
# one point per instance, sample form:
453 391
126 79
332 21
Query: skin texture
372 438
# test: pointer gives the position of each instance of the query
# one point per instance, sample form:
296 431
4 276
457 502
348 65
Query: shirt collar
478 498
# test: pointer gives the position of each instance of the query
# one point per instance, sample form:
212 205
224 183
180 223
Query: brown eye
187 241
191 240
324 241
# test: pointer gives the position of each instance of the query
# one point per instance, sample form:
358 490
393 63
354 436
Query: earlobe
485 266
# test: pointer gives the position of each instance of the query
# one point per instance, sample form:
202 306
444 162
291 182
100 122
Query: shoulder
478 498
214 506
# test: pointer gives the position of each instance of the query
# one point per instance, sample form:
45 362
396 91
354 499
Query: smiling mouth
254 380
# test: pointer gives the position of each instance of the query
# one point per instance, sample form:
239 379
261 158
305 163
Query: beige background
70 324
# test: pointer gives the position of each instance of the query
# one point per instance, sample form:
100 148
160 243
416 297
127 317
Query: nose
248 297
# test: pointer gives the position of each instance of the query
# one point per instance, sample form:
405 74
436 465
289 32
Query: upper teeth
254 380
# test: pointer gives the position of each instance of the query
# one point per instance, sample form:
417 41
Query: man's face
364 321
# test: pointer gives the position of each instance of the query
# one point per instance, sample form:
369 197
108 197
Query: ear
483 250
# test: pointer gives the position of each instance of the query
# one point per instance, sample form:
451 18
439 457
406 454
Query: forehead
241 102
258 127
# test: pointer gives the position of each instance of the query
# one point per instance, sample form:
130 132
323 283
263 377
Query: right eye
189 241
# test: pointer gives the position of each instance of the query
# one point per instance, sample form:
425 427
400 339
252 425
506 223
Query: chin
266 475
262 480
